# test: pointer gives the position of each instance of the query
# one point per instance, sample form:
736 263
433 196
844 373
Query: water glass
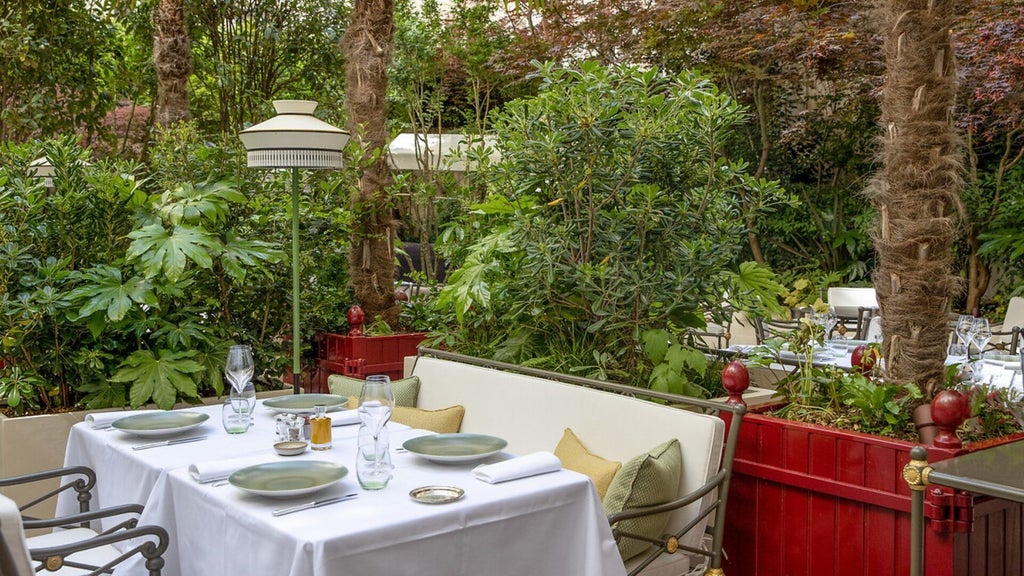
373 458
964 325
957 353
236 416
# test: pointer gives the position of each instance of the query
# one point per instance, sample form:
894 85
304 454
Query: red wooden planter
817 501
361 355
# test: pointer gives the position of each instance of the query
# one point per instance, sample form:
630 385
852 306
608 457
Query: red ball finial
355 319
948 408
736 380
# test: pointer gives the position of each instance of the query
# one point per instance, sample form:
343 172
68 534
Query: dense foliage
613 211
116 288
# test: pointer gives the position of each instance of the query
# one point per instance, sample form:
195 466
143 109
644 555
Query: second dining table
551 523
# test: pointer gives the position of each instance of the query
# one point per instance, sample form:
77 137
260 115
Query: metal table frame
996 472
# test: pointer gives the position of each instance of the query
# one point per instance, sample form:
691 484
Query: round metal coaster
436 494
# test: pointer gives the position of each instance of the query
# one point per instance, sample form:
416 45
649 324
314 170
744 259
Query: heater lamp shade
294 139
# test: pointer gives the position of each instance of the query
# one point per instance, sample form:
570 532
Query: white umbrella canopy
411 151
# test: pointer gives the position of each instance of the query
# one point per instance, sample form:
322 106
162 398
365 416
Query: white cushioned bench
531 411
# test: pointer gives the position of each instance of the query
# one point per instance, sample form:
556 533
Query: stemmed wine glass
238 370
239 366
981 333
828 321
376 403
964 324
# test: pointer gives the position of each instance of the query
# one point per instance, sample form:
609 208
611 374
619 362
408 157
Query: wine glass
239 366
828 321
981 333
963 329
376 402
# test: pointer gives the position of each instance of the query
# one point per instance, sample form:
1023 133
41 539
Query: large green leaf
188 203
161 376
104 289
169 253
239 255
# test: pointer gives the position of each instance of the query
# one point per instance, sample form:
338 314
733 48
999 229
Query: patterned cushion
443 421
646 480
406 390
575 456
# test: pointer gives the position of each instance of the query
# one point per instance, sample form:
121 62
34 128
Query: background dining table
546 524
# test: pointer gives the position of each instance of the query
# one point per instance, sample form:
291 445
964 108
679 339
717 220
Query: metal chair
1007 337
74 548
765 328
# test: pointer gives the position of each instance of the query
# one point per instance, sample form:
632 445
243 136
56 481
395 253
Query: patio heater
294 139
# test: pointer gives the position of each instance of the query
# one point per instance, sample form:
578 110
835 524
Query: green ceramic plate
455 448
287 479
304 403
156 424
1007 361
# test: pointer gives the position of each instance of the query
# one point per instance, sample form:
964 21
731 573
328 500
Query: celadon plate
287 479
160 424
1008 361
455 448
304 403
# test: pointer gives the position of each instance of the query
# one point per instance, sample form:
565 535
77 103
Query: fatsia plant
109 294
614 210
180 253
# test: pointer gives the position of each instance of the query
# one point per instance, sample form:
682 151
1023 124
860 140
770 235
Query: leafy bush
110 294
612 211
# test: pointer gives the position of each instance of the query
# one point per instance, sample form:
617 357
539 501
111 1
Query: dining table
551 523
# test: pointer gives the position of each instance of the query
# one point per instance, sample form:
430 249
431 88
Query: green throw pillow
406 390
646 480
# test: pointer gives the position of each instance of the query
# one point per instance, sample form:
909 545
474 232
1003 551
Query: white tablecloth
549 524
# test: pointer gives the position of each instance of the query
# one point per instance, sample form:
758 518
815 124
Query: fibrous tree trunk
367 48
917 190
172 57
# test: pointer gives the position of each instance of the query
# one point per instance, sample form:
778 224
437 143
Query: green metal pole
296 332
915 474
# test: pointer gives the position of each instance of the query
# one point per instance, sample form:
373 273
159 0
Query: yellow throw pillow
443 421
575 456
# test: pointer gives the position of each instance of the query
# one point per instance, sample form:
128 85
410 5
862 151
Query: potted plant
826 464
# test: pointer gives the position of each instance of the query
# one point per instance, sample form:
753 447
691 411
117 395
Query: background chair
854 307
75 548
765 328
1006 336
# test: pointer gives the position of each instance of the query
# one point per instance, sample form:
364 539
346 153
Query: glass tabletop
997 471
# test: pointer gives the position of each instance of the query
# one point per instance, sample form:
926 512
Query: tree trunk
172 57
917 191
367 47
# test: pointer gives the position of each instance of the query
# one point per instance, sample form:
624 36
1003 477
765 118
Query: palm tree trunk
917 191
172 56
367 47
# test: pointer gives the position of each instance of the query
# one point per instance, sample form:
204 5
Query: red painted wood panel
829 502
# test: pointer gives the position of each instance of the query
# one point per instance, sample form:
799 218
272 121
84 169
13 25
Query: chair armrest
151 550
84 517
82 485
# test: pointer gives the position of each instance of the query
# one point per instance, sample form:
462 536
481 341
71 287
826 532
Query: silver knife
315 504
168 442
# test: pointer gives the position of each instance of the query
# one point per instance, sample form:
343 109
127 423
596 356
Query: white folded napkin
344 417
215 470
99 420
521 467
